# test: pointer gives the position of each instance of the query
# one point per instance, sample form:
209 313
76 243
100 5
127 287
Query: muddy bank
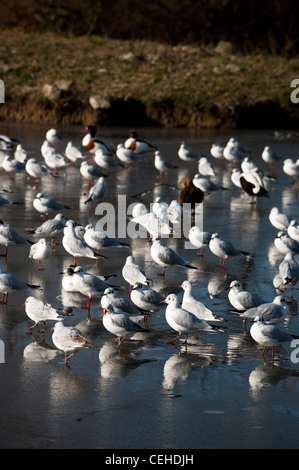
165 114
72 80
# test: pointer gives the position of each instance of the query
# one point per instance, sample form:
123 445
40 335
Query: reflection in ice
267 376
40 351
115 363
179 366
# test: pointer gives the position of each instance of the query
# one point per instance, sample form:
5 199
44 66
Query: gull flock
126 305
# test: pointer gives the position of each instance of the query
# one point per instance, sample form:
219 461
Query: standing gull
241 299
75 246
272 312
40 311
132 272
40 251
293 230
199 239
46 205
69 338
97 191
196 307
9 236
187 154
120 324
278 219
166 257
146 299
224 249
110 296
289 270
181 320
10 283
99 240
269 335
163 165
50 228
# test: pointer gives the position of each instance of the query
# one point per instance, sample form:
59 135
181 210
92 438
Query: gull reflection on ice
179 366
267 376
115 363
40 351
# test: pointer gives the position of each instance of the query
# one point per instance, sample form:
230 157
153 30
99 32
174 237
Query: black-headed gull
146 299
242 299
53 136
191 304
231 153
120 324
97 191
106 161
285 244
289 270
75 246
206 185
162 164
40 251
166 257
99 240
40 311
21 154
272 312
68 339
152 223
45 205
72 152
12 166
50 228
36 170
9 236
90 171
138 144
224 249
291 168
268 335
89 285
67 280
205 168
53 159
241 147
293 230
10 283
132 272
269 156
187 154
181 320
127 156
278 219
111 297
199 239
216 151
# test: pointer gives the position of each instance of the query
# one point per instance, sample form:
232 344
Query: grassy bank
143 83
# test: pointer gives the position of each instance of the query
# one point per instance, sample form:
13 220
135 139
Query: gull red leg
173 340
5 252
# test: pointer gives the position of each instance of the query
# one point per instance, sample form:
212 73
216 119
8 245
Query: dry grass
151 73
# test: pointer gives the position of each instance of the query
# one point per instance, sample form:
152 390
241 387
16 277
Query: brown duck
190 193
